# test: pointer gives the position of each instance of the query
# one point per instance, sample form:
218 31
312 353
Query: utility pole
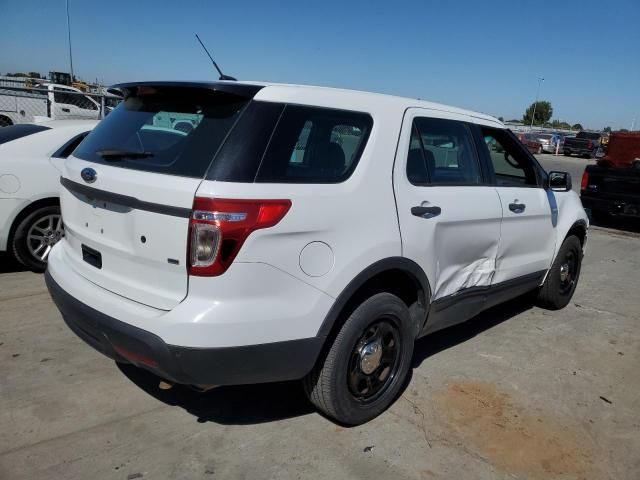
69 34
533 117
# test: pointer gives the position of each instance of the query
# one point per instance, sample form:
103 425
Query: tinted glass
240 156
314 145
13 132
511 163
448 150
172 131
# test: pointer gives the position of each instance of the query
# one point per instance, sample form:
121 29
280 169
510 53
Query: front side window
314 145
511 165
442 152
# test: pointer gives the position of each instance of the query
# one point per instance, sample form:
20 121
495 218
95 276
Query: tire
339 385
35 235
540 151
562 279
5 122
566 154
636 164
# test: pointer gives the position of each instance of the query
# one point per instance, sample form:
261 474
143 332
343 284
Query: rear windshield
14 132
172 131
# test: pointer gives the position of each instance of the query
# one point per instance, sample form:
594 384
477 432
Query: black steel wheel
364 369
374 362
562 279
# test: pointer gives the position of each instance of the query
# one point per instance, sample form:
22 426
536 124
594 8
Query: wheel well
26 211
580 231
4 117
397 281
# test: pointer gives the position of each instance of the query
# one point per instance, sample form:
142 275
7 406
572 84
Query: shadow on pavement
8 264
254 404
452 336
237 405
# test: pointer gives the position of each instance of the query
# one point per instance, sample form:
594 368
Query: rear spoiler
233 88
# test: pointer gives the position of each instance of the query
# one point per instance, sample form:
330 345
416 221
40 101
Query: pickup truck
584 143
51 101
613 185
610 191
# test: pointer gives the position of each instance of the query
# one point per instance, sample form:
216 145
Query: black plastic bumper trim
269 362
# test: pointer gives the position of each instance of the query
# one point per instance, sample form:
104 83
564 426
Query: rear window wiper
114 154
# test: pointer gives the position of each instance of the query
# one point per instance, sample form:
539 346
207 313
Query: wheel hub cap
564 272
43 235
370 356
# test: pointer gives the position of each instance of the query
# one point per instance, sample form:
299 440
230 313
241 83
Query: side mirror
560 181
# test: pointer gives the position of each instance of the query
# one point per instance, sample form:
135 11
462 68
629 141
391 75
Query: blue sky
482 55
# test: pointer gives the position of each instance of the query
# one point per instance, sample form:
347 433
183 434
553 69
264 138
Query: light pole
533 117
69 34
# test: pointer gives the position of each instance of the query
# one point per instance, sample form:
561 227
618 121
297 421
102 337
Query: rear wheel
566 154
366 366
562 279
5 121
36 235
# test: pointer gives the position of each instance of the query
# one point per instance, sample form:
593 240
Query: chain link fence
24 104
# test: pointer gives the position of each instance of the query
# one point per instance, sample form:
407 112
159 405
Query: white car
30 222
301 232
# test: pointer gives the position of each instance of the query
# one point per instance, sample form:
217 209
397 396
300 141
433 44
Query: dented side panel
457 249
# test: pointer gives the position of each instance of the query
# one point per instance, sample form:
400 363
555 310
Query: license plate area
91 256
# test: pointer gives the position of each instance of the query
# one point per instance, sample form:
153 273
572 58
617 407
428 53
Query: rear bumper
624 207
270 362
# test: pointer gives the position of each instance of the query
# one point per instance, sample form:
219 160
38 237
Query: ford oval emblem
89 175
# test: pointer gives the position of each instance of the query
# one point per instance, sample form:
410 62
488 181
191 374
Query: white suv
301 232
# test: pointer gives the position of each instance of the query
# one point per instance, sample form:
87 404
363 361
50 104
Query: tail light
589 144
219 227
585 180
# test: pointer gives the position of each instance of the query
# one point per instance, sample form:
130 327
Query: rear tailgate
128 232
616 190
128 190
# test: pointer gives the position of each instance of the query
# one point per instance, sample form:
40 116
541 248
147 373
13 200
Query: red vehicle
529 141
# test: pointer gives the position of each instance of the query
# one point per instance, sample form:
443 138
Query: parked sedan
529 140
549 141
30 221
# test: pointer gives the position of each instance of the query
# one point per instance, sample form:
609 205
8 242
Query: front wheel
562 279
366 366
36 235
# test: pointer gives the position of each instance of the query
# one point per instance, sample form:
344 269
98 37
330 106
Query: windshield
170 131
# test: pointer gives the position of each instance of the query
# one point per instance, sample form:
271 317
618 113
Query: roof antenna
222 75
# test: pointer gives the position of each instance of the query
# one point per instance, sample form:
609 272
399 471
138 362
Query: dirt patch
488 423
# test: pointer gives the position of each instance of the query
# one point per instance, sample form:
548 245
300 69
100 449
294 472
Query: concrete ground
517 392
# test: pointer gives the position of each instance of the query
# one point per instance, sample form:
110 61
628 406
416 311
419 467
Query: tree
544 112
577 126
607 129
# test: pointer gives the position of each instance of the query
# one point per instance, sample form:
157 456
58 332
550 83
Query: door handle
66 110
516 207
426 212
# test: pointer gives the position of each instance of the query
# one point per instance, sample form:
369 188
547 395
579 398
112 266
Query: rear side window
314 145
14 132
172 131
277 143
442 152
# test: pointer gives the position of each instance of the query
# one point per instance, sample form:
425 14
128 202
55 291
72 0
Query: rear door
449 215
528 239
128 190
